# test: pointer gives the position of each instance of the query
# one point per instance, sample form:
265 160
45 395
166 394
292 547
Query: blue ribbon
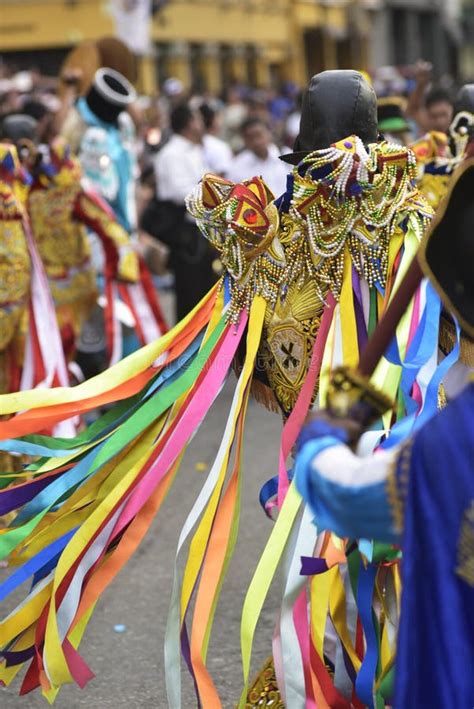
61 487
424 343
38 562
170 372
366 675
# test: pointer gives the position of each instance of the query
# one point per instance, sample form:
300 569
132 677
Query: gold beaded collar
344 196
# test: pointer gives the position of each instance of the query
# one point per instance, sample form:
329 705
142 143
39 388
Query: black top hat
447 253
110 94
337 103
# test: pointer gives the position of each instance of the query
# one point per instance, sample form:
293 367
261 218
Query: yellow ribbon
199 543
114 376
262 580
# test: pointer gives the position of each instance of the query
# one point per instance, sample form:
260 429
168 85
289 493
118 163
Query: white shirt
247 165
179 166
218 155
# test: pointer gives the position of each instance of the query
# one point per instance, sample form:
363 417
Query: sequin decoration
345 201
14 256
339 196
264 692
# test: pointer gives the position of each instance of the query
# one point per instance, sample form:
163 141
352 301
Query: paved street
129 665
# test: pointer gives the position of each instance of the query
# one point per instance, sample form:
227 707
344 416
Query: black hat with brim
447 253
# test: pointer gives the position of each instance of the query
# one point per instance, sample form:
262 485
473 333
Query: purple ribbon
312 566
16 497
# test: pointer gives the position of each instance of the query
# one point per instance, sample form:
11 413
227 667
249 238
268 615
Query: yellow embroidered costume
438 155
14 269
435 165
60 211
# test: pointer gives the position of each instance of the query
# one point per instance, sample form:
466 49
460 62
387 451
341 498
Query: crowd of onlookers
182 134
244 130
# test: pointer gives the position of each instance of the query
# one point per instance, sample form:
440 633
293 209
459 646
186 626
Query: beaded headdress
345 198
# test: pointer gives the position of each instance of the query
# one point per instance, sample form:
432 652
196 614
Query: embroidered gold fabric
62 243
290 330
264 692
344 201
14 256
434 187
435 165
397 485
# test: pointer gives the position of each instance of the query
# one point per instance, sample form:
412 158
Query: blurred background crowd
220 87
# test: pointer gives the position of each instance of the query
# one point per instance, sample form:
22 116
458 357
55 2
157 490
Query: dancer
401 494
306 279
101 133
59 210
30 346
438 154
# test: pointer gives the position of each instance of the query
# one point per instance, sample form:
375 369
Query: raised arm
120 255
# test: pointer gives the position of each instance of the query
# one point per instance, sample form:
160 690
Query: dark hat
465 99
391 115
110 94
461 129
447 252
17 127
337 103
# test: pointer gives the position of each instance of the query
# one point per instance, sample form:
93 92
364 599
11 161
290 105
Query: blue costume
114 178
426 487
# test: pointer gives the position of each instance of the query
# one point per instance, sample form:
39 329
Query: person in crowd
179 165
234 113
430 107
101 132
43 117
261 157
292 124
438 154
30 346
217 152
439 109
391 119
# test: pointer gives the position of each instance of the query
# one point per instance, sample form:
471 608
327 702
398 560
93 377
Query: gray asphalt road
129 666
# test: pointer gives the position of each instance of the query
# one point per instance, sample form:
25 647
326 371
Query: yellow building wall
225 22
275 28
27 25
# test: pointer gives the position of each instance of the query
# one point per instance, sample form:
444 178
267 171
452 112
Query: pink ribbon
49 338
296 418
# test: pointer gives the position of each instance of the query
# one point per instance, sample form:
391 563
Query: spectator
433 109
218 154
179 166
392 122
260 157
439 109
41 114
234 113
